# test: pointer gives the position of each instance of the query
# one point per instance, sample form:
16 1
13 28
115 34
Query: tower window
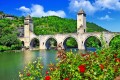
84 30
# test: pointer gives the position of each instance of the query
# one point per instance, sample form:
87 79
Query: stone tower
28 28
81 21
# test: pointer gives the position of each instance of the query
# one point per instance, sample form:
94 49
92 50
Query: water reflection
13 62
44 57
28 56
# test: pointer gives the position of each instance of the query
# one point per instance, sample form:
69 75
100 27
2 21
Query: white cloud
106 17
76 5
92 7
38 11
108 4
24 9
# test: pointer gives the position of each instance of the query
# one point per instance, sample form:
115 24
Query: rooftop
81 12
28 17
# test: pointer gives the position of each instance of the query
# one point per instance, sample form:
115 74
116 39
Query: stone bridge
61 38
80 36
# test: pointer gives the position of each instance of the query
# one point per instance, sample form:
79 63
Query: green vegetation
115 42
42 26
55 25
1 12
101 65
93 42
71 42
8 34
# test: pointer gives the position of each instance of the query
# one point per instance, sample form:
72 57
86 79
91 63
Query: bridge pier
42 45
27 44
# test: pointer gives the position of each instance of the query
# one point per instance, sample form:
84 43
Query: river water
11 63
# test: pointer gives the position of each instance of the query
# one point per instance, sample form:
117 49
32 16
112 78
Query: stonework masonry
80 36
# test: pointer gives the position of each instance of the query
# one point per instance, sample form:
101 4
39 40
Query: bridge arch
115 41
97 41
73 38
112 37
51 42
34 42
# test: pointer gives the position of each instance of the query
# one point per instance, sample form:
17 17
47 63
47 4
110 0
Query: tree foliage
71 42
54 24
92 42
8 34
115 42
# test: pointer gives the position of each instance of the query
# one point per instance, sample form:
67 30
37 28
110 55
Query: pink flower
47 72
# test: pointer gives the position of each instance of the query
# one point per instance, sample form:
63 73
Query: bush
100 65
32 72
4 48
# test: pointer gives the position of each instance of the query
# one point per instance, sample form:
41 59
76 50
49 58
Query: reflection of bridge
81 36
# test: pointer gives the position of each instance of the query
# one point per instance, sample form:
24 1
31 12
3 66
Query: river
13 62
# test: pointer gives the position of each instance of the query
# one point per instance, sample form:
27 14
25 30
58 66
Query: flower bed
100 65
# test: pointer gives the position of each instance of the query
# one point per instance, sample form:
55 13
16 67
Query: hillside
43 26
50 25
54 24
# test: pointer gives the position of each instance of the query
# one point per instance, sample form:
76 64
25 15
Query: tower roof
81 12
28 17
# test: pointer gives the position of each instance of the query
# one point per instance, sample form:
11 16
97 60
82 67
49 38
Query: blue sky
105 13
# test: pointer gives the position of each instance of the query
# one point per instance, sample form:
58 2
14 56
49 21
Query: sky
105 13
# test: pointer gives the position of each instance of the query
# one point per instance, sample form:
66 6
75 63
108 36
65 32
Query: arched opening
92 43
115 42
84 30
70 43
22 43
34 43
51 43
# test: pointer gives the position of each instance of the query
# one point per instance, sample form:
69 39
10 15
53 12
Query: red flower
47 72
66 79
117 59
28 74
115 55
47 77
101 66
83 55
95 54
82 68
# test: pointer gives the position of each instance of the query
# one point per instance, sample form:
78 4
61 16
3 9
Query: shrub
4 48
101 65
